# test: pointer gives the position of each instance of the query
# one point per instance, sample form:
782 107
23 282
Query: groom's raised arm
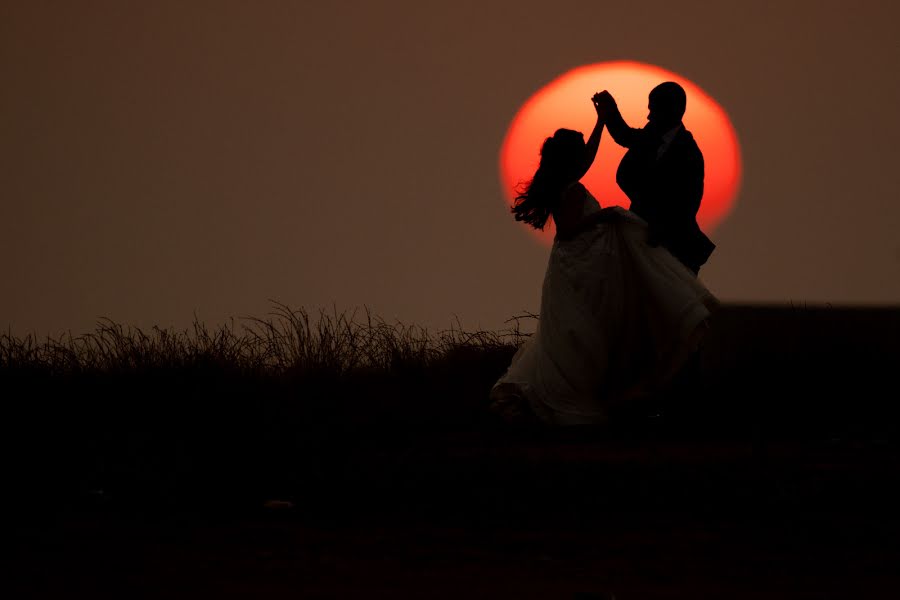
621 133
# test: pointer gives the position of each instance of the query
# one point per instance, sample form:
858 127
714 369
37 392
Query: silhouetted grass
257 400
285 342
372 362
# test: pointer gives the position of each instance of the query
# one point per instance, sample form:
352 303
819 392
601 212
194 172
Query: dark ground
775 477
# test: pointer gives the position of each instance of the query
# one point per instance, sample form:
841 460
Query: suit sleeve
621 133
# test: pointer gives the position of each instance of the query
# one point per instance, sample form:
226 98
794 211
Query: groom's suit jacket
665 190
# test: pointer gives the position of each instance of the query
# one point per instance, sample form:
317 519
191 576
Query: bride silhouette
619 315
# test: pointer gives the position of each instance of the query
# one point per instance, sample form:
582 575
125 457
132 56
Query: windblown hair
561 156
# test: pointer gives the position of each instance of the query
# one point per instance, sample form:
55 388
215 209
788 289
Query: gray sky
160 158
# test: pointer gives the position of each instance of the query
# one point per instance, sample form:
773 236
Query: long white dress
618 318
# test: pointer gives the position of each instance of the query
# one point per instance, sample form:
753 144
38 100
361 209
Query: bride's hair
561 157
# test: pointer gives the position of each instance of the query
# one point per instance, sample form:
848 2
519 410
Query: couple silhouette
622 310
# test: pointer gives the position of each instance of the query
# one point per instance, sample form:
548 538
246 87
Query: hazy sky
161 158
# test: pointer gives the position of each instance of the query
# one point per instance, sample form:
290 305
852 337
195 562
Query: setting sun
566 102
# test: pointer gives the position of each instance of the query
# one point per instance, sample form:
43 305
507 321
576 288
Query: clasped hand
604 104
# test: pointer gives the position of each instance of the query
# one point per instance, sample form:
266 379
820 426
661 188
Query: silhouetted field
269 399
778 464
254 402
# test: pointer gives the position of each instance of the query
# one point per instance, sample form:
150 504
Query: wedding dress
618 318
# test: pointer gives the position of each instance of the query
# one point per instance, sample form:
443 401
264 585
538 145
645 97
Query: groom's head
667 104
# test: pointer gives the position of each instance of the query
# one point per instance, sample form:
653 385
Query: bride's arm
593 143
604 215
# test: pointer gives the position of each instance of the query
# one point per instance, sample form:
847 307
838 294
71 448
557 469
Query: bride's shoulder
573 198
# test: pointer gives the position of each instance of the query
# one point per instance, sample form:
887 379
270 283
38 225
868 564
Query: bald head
667 105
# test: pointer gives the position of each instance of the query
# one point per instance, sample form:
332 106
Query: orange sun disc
566 102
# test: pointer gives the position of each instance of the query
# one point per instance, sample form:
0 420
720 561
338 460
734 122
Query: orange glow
566 102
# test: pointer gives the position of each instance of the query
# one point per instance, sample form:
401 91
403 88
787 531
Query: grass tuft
285 342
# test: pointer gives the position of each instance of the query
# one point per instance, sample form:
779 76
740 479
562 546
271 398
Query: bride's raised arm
593 143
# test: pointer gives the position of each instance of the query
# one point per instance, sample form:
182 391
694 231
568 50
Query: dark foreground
774 474
649 519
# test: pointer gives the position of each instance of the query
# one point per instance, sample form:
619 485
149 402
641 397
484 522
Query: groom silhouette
662 172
